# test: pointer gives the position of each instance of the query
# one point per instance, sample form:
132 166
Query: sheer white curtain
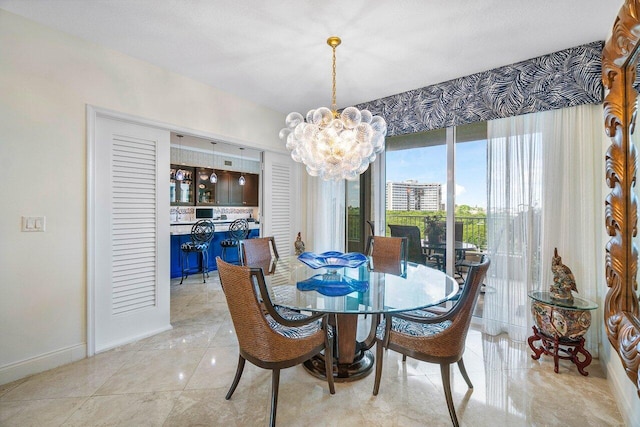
545 178
325 215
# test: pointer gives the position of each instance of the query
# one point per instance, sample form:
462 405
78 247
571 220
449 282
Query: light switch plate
33 223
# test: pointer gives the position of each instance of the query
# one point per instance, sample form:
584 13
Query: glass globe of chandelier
332 145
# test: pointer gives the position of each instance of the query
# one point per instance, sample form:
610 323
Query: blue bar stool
238 230
201 235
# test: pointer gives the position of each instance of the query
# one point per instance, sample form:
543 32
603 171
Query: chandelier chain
334 106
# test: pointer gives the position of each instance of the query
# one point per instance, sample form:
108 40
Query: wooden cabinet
181 192
230 193
197 189
223 187
235 189
250 191
206 190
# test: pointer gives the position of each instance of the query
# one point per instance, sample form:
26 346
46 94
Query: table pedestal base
361 366
560 349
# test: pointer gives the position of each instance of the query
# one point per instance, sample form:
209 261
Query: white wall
46 80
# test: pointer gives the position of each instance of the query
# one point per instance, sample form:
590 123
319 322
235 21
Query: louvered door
131 298
281 211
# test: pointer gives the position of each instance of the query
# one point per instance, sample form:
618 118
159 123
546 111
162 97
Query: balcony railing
474 227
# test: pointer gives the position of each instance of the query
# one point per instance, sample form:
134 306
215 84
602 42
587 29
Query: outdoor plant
434 227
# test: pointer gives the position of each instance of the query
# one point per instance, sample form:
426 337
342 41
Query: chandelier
334 145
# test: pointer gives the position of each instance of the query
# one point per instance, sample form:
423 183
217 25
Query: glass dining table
349 292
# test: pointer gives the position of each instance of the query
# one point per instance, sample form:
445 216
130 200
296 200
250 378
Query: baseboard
41 363
128 340
622 388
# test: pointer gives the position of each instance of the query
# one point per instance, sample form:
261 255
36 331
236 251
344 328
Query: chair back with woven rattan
257 341
388 253
244 307
448 346
258 251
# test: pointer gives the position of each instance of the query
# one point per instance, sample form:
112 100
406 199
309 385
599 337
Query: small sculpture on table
563 280
560 322
298 244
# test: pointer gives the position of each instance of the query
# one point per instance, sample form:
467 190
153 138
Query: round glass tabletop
295 285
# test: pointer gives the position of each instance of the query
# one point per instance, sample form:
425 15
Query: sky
429 165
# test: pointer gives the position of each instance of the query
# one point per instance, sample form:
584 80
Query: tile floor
180 377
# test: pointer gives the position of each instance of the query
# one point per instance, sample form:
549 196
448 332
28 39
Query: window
421 169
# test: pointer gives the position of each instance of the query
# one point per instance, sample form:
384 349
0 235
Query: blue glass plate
332 285
333 259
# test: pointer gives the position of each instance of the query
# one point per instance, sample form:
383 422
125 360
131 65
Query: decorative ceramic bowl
332 259
565 323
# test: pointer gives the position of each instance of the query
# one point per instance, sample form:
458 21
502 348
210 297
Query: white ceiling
274 52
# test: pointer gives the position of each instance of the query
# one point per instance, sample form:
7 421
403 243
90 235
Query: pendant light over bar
334 145
241 181
213 178
180 172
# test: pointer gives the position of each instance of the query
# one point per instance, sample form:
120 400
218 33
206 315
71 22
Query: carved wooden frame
619 64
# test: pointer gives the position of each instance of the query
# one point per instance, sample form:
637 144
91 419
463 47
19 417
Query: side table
560 327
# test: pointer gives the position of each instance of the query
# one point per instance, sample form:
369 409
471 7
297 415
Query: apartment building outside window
411 195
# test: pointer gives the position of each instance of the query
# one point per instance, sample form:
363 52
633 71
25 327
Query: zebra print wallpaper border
561 79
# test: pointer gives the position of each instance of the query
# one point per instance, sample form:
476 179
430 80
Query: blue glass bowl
332 259
332 285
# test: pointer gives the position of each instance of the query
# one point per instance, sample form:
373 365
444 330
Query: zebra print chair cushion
294 332
414 329
289 314
194 247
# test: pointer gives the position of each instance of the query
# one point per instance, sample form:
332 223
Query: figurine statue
299 245
563 280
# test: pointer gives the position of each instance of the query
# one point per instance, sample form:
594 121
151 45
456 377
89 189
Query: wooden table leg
352 361
346 329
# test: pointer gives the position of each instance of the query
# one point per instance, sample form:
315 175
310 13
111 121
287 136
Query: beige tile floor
180 377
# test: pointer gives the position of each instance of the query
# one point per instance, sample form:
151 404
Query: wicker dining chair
388 254
258 250
433 338
268 340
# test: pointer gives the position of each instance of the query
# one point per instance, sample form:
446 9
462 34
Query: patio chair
414 242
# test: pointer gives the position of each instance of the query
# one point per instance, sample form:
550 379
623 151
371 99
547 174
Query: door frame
92 113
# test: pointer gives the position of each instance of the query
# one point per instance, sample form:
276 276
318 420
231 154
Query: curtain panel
325 215
545 178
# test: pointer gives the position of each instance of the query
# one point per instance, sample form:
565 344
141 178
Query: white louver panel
281 209
133 226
